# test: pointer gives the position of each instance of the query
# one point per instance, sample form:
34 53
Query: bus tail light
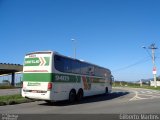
49 86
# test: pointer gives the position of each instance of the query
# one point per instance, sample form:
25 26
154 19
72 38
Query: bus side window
76 67
84 68
91 70
67 65
59 63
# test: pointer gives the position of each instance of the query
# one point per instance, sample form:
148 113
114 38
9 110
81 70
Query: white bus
50 76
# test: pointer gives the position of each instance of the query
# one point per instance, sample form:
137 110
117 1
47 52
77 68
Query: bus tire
49 101
79 96
72 96
106 91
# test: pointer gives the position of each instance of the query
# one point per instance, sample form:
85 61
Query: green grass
146 87
136 86
9 86
13 99
6 87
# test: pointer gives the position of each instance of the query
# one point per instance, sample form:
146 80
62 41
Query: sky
109 33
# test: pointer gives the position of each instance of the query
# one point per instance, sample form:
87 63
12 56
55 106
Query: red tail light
49 86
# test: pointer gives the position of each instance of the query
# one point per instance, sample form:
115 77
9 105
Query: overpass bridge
7 68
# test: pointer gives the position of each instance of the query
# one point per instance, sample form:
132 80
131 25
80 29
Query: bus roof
40 52
83 61
56 53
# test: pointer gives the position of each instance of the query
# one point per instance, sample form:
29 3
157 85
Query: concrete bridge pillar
13 79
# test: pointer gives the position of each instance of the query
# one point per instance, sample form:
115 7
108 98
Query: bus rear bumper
39 96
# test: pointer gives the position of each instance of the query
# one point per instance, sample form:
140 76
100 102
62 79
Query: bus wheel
106 90
79 95
72 96
49 101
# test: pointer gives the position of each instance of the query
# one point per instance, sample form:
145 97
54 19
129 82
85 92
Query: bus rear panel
37 76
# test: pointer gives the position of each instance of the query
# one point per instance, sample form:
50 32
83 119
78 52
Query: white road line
134 96
146 95
140 95
155 97
149 92
141 92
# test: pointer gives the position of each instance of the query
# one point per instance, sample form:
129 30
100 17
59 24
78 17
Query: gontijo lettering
31 61
33 84
38 61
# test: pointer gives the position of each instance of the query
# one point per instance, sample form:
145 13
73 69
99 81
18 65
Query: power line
132 65
147 52
140 61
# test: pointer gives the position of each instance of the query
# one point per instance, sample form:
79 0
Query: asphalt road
10 91
121 100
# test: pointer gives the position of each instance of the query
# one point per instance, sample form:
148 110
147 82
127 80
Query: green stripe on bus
98 80
37 77
54 77
66 78
50 77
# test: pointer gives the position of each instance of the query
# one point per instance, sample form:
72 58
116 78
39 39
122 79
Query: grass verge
6 87
13 99
145 87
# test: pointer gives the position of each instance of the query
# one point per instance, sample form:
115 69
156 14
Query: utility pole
141 82
153 48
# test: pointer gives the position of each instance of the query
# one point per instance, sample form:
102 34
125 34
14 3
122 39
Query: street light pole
74 44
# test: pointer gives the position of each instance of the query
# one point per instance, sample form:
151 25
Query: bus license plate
34 91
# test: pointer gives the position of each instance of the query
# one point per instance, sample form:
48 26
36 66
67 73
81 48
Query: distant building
152 83
144 81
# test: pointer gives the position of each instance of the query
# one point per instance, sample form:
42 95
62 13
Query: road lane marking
134 96
145 94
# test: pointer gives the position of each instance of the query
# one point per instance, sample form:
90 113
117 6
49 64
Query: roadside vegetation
133 85
6 85
13 99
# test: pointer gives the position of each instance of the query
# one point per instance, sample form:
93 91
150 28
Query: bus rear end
37 76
